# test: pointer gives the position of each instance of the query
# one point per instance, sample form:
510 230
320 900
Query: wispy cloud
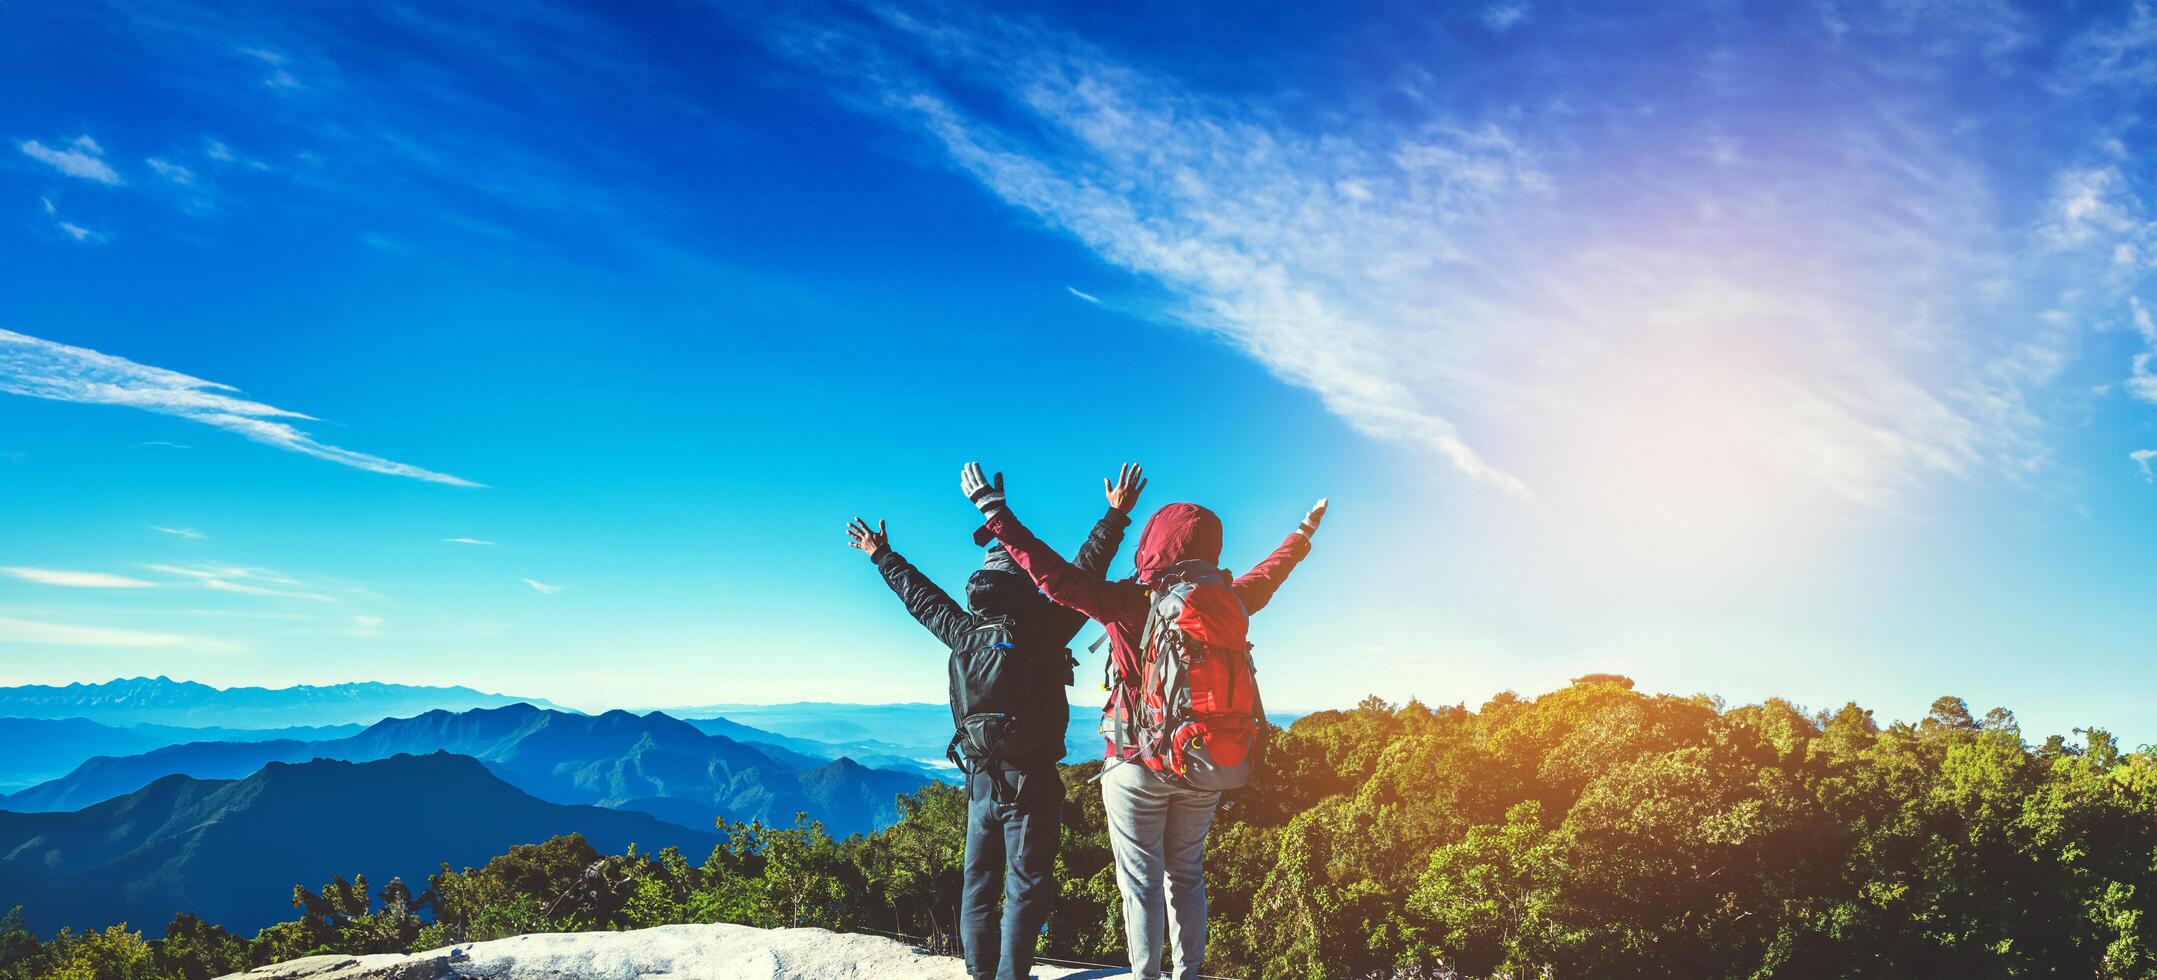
35 633
182 532
172 171
2146 459
1534 293
1243 220
220 570
276 75
161 444
1503 16
542 587
469 541
244 588
222 152
80 158
78 580
44 369
242 580
69 228
1088 297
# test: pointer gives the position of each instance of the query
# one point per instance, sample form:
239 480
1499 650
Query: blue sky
1749 349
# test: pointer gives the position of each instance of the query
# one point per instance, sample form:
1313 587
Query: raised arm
1099 548
931 606
1058 579
1256 587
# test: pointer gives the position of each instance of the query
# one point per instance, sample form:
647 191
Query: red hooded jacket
1175 533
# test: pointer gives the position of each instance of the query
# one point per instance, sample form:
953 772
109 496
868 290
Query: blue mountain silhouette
616 759
164 701
230 851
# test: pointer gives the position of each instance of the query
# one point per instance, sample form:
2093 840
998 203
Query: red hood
1178 532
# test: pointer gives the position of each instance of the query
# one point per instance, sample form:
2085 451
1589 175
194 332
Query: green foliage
914 867
1598 831
196 950
1593 831
515 893
114 954
18 946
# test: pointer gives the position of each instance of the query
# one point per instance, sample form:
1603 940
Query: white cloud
2141 377
33 633
2093 202
244 588
44 369
1088 297
1524 301
69 228
82 158
172 171
221 152
211 570
1242 220
2144 458
277 76
182 532
1503 16
542 587
242 580
79 580
468 541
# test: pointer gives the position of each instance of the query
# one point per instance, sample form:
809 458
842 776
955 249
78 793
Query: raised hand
1123 494
1310 520
986 495
874 542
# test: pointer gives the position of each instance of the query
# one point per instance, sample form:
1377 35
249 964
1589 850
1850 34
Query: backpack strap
1000 790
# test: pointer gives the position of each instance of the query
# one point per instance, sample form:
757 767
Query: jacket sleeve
927 603
1099 549
1058 579
1094 556
1256 587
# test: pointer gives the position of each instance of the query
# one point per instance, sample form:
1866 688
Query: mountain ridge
231 850
162 700
609 759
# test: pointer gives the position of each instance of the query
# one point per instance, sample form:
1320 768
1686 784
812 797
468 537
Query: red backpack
1193 712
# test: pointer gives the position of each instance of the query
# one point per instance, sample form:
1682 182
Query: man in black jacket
1013 739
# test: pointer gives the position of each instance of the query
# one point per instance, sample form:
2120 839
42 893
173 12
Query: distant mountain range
230 851
888 735
164 701
39 749
650 762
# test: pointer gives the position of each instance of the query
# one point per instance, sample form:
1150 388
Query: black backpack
1007 703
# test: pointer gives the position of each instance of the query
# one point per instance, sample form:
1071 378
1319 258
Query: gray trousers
1010 852
1157 830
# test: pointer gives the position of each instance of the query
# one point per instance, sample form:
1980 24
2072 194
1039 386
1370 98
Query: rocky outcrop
686 952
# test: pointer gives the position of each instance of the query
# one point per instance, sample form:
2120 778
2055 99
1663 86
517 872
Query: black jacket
1003 591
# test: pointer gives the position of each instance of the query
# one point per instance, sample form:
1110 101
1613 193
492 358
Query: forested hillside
1592 832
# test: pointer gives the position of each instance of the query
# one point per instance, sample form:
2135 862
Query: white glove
1310 520
986 495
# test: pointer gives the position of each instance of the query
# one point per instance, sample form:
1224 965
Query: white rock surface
686 952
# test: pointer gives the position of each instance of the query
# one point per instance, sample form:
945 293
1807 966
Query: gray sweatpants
1157 830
